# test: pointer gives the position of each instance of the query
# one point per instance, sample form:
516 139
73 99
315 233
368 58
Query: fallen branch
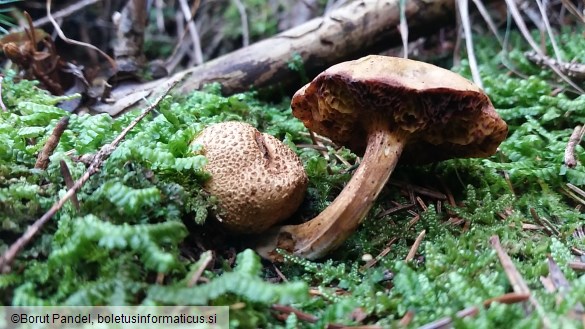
104 152
351 31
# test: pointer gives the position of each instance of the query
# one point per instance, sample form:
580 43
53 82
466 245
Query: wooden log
354 30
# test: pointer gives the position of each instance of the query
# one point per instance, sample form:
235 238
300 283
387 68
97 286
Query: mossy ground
139 233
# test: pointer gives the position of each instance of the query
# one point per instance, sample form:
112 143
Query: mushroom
257 179
388 107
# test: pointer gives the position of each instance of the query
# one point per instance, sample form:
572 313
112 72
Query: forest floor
480 243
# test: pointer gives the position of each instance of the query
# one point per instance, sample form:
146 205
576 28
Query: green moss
132 225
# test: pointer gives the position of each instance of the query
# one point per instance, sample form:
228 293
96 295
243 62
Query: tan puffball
258 180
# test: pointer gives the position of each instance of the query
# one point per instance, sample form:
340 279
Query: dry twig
488 19
68 182
551 37
205 259
187 13
395 209
51 144
576 189
380 255
516 280
75 42
300 315
574 70
406 319
570 194
446 322
279 273
574 140
573 10
513 10
545 223
415 246
244 22
431 193
577 266
403 28
105 151
67 11
1 101
463 8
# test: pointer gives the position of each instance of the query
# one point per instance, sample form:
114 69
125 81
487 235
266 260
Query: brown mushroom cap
390 108
445 115
258 180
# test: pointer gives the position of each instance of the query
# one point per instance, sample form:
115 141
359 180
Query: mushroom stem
327 231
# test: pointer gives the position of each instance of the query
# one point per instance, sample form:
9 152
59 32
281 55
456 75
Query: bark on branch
359 28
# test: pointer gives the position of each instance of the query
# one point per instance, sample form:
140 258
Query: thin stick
104 152
551 37
516 280
205 259
69 10
415 218
51 144
488 19
421 203
420 190
518 284
160 20
403 28
244 22
415 246
279 273
576 189
572 195
69 182
406 319
573 10
301 315
180 48
577 266
528 227
574 140
1 101
513 10
445 322
510 298
75 42
395 209
318 137
544 222
198 53
557 277
314 140
380 255
319 148
463 6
